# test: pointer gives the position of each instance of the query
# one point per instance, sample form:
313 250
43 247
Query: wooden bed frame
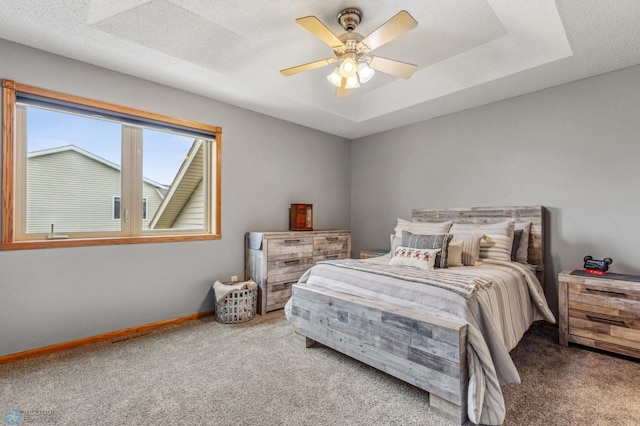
421 349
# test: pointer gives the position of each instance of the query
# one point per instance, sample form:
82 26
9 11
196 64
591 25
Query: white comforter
498 311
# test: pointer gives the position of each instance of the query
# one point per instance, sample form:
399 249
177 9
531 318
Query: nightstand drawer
601 312
604 312
368 254
607 328
604 299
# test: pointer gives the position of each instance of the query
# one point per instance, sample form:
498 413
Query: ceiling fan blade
394 27
308 67
395 68
320 30
340 92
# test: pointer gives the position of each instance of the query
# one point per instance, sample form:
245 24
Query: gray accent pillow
517 234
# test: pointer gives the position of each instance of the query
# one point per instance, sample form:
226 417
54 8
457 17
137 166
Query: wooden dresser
275 260
600 311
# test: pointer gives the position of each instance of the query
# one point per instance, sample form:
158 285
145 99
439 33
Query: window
72 168
116 208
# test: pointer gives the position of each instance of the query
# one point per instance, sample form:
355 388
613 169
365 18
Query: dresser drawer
333 256
289 248
279 294
331 245
287 269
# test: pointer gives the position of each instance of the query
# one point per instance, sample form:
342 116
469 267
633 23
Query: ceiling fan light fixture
335 78
348 68
365 73
352 52
352 82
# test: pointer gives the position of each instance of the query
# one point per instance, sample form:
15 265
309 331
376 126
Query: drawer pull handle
292 262
608 321
607 293
333 256
331 239
291 241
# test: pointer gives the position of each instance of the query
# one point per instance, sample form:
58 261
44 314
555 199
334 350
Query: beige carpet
257 373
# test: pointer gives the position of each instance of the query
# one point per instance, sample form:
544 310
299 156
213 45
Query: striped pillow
429 241
470 246
500 234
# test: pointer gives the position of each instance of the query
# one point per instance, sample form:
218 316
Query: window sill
78 242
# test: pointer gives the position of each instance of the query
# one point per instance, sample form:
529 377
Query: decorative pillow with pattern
420 258
429 241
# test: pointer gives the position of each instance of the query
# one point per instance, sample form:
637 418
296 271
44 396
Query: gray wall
573 149
57 295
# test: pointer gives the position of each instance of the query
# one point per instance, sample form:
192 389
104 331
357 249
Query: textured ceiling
468 52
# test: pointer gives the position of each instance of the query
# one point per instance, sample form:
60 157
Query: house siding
192 216
180 197
75 193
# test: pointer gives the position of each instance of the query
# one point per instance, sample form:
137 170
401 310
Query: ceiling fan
352 50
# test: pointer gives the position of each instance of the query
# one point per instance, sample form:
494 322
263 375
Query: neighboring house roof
184 184
162 189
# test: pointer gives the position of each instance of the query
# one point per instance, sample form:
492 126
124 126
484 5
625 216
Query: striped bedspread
463 284
498 301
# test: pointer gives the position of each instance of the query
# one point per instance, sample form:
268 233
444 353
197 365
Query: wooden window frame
10 89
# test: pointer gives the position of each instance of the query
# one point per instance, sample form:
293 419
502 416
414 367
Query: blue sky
163 153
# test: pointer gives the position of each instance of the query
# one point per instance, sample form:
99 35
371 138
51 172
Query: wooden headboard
533 214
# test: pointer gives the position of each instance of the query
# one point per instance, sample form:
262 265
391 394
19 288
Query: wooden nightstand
366 254
600 311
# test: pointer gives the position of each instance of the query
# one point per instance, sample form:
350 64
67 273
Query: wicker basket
237 306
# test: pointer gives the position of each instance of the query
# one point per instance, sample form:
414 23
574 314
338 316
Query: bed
447 331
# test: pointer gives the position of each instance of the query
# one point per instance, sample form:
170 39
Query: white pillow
421 227
421 258
522 252
454 257
501 235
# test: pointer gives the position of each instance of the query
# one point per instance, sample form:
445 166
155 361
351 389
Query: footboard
421 349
